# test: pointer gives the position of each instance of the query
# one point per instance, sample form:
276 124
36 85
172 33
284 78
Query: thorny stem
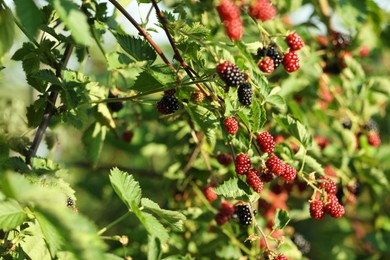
177 54
143 33
50 107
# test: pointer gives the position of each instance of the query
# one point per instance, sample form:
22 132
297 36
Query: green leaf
48 76
259 116
74 20
34 244
151 224
11 215
125 187
295 128
139 49
154 248
310 162
281 219
117 60
7 31
70 230
93 140
276 100
174 218
232 188
29 15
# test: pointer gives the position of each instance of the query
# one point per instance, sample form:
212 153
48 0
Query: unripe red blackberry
168 105
289 173
275 165
294 41
210 194
335 209
266 142
228 10
253 180
266 65
230 74
231 125
127 136
224 159
266 175
243 163
227 208
328 185
221 219
340 40
245 94
317 209
281 257
262 10
291 62
374 139
234 29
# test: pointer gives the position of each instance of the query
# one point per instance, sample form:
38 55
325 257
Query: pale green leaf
154 248
7 32
52 235
126 187
34 245
74 20
259 116
93 140
151 224
11 215
29 15
276 100
174 218
232 188
295 128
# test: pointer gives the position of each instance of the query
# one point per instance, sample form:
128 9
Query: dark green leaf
11 215
29 15
174 218
137 48
48 76
93 140
281 219
125 187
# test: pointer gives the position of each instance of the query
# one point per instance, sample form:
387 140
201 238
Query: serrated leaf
104 116
174 218
74 20
259 116
311 162
154 248
126 187
29 15
34 245
117 60
276 100
11 215
151 224
93 140
232 188
48 76
281 219
295 128
7 32
137 48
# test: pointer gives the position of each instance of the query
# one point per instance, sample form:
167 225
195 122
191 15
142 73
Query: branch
50 107
142 32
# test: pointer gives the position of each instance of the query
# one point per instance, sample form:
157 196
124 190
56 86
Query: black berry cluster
168 105
230 74
244 214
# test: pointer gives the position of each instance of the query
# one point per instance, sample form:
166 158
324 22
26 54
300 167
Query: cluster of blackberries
262 10
233 77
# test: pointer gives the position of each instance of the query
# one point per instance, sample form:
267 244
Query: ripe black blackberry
230 74
244 215
114 106
271 52
371 126
245 94
168 105
302 244
347 123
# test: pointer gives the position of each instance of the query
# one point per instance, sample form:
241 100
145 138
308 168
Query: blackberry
262 10
230 74
245 94
253 180
197 97
291 62
210 194
374 139
261 52
244 215
168 105
227 208
317 209
114 106
224 159
243 163
231 125
302 244
275 55
328 185
266 142
371 126
275 165
221 219
266 65
69 202
290 173
281 257
294 41
340 40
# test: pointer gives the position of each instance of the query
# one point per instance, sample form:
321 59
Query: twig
50 107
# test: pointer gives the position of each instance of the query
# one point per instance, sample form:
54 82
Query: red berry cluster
231 125
291 60
266 142
225 211
280 168
328 202
262 10
243 163
229 13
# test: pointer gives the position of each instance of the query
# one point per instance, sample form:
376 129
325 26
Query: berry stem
261 232
101 231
